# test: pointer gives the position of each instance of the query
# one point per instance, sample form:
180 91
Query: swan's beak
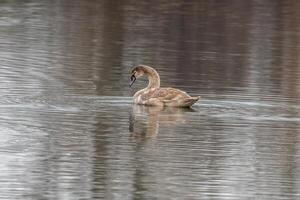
132 79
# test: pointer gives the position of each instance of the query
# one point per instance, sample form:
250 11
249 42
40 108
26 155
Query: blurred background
206 47
68 129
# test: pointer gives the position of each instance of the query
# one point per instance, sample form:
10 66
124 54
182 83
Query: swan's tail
185 102
189 101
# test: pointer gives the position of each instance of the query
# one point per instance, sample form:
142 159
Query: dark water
68 127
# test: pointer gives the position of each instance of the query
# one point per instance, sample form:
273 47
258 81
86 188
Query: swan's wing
168 94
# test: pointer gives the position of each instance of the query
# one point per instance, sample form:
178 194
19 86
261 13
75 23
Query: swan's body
154 95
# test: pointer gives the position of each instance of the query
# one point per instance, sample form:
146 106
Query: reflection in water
145 121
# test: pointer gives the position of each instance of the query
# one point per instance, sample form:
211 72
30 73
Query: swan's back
165 97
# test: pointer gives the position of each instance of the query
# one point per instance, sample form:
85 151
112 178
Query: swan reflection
145 121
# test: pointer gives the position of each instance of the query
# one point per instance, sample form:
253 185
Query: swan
154 95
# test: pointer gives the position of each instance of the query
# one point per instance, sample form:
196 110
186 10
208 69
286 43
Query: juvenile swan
154 95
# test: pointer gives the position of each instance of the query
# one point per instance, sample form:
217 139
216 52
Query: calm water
68 129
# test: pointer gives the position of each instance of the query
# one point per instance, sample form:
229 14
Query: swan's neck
153 78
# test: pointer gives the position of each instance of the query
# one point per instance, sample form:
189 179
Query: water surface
69 130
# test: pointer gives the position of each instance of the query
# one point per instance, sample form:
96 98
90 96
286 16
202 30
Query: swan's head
136 72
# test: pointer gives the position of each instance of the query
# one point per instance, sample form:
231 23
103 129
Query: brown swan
154 95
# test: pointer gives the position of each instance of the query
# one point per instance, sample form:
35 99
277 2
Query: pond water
69 130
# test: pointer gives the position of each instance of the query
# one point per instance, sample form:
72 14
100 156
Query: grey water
69 130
